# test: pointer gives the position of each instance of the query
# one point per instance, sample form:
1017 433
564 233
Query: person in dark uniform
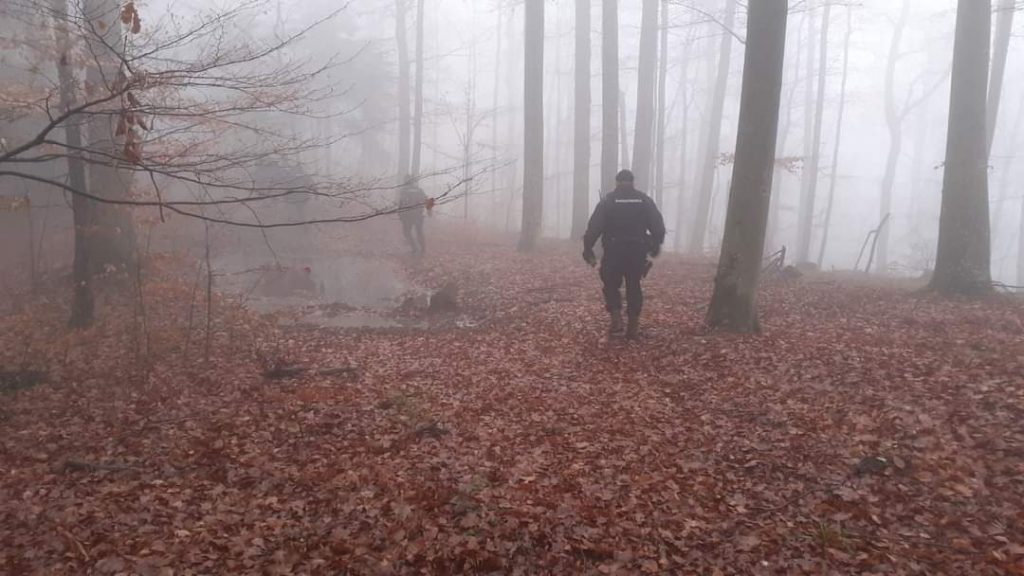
631 228
412 204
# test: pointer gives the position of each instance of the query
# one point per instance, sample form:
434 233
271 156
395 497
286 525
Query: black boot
633 327
616 326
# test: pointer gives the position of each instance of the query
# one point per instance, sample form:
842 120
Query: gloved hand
655 250
589 257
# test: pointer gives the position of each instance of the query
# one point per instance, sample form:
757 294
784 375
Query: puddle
346 292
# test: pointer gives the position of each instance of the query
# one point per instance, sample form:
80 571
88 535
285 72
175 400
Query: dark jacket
411 203
625 217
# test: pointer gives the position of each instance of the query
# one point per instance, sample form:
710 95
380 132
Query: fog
343 116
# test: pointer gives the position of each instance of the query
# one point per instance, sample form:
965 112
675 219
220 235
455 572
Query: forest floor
869 430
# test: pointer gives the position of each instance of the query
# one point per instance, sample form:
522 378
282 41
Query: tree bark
963 258
838 139
404 115
734 301
714 134
643 129
581 125
609 93
1001 48
533 130
82 302
808 196
659 145
417 131
113 233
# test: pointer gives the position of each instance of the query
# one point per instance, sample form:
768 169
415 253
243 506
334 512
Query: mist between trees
268 114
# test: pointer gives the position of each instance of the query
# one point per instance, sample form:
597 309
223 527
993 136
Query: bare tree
833 177
734 301
1004 30
533 131
581 124
82 305
417 129
659 143
404 115
809 191
609 92
643 130
714 134
963 259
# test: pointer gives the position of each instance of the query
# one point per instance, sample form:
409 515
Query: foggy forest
511 287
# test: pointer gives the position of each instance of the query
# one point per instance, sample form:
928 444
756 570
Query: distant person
631 228
412 205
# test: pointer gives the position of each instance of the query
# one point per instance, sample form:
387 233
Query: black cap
624 176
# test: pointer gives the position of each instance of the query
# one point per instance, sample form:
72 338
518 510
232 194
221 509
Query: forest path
868 428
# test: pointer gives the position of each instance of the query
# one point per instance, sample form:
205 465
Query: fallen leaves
526 443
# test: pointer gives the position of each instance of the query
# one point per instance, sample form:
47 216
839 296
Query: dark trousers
416 241
623 263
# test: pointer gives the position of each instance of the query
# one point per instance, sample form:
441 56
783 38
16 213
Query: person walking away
412 205
631 228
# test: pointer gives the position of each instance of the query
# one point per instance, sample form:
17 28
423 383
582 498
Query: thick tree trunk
714 134
609 93
809 191
833 177
962 262
404 115
659 145
643 129
734 302
82 303
533 130
113 240
581 124
1001 48
417 131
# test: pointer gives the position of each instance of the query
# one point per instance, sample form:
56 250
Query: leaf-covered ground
870 430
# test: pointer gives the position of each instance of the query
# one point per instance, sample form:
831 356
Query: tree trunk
1001 48
404 119
495 104
734 301
533 129
1020 246
838 139
893 121
82 304
623 129
773 236
683 145
647 68
609 93
812 160
581 125
417 132
113 233
714 134
962 262
659 146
